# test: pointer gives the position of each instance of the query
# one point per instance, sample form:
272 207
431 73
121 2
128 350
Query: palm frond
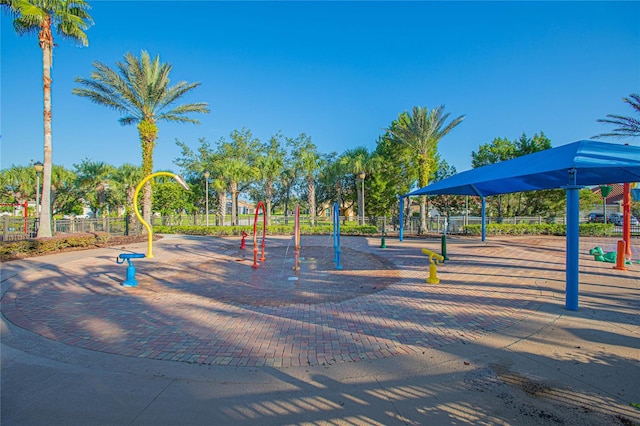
628 127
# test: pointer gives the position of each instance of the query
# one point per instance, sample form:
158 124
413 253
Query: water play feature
296 240
178 179
336 236
255 234
433 277
130 281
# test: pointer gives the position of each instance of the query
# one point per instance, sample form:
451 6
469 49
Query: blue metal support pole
573 242
484 219
336 237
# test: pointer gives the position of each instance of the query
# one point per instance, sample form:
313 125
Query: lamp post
362 175
39 168
206 196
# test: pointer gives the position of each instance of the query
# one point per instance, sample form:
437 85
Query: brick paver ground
200 301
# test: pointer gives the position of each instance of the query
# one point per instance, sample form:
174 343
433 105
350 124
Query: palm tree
420 131
627 126
235 162
356 162
139 89
93 177
70 18
127 178
308 161
269 166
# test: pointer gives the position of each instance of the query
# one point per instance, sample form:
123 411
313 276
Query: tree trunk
423 214
423 180
269 192
222 206
148 132
233 188
46 44
312 200
360 199
131 216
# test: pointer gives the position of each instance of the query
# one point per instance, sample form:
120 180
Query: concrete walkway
207 339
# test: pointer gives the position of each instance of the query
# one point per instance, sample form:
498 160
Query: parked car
618 219
596 217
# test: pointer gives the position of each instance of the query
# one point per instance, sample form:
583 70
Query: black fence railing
20 228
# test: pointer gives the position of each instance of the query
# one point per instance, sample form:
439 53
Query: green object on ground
609 257
635 404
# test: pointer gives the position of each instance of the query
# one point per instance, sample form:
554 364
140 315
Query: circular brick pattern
275 283
200 301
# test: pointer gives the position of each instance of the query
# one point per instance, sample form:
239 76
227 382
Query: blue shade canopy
595 163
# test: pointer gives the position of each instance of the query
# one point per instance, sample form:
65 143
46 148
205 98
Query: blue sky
339 71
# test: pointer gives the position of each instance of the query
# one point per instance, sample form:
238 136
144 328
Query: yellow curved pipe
178 179
431 255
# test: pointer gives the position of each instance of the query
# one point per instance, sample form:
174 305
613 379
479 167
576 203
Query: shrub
585 229
10 250
320 229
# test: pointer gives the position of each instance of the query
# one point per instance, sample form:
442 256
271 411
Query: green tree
309 162
447 204
69 18
139 89
394 173
169 197
627 126
500 149
421 131
269 166
520 203
236 164
125 179
93 181
18 184
65 193
357 161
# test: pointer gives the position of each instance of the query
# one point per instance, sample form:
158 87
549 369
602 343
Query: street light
362 175
39 168
206 195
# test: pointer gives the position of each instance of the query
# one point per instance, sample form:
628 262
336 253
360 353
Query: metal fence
19 228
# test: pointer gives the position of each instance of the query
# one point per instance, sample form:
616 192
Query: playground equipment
242 243
620 260
131 269
178 179
383 242
255 234
433 278
611 256
336 236
296 240
443 247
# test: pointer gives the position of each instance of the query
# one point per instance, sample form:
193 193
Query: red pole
626 219
25 207
620 257
255 234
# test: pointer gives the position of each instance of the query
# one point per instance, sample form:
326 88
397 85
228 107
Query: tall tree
69 18
126 178
357 162
421 131
139 89
269 166
93 178
237 160
627 126
308 161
